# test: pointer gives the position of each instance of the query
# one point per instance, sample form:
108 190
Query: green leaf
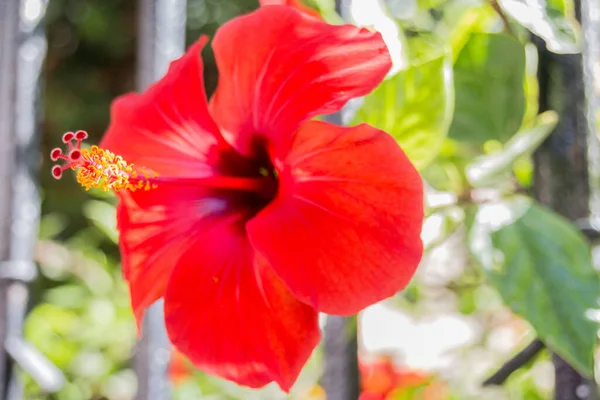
463 18
489 78
542 267
532 86
51 225
490 169
422 48
552 20
442 223
415 107
103 216
406 9
327 10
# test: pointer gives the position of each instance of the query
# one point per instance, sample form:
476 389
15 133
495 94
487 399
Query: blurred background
477 87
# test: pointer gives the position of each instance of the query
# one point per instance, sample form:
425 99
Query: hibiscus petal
232 317
168 127
156 227
292 3
279 67
344 229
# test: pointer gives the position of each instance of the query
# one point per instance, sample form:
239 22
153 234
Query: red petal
279 67
344 231
232 317
292 3
156 227
167 128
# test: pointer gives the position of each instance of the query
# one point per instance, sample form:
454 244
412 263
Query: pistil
98 167
101 168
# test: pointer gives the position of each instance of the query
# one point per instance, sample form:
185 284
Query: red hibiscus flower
248 217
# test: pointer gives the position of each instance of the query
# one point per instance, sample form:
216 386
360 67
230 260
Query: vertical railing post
22 52
161 39
566 178
341 379
8 45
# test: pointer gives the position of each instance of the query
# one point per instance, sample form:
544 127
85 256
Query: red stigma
67 137
57 171
81 135
98 167
73 154
55 153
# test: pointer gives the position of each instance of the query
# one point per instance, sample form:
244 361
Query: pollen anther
98 167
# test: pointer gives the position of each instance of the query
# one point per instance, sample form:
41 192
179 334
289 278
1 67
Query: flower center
264 171
100 168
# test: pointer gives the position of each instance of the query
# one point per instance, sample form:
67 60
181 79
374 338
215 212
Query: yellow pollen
104 169
99 168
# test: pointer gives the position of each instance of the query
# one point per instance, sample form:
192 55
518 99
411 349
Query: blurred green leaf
463 19
541 266
420 49
101 194
489 83
445 175
415 107
447 172
552 20
406 9
51 225
103 215
68 296
327 10
444 222
524 171
488 170
46 327
532 87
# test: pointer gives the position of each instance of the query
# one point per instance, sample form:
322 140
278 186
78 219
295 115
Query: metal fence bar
341 379
161 39
8 44
22 52
590 20
564 177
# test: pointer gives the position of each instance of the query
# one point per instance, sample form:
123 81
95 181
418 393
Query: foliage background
464 75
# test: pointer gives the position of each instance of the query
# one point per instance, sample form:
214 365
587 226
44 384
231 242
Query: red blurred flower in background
179 368
248 217
381 379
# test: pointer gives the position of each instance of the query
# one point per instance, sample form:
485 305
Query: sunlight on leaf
327 10
552 20
488 170
415 107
